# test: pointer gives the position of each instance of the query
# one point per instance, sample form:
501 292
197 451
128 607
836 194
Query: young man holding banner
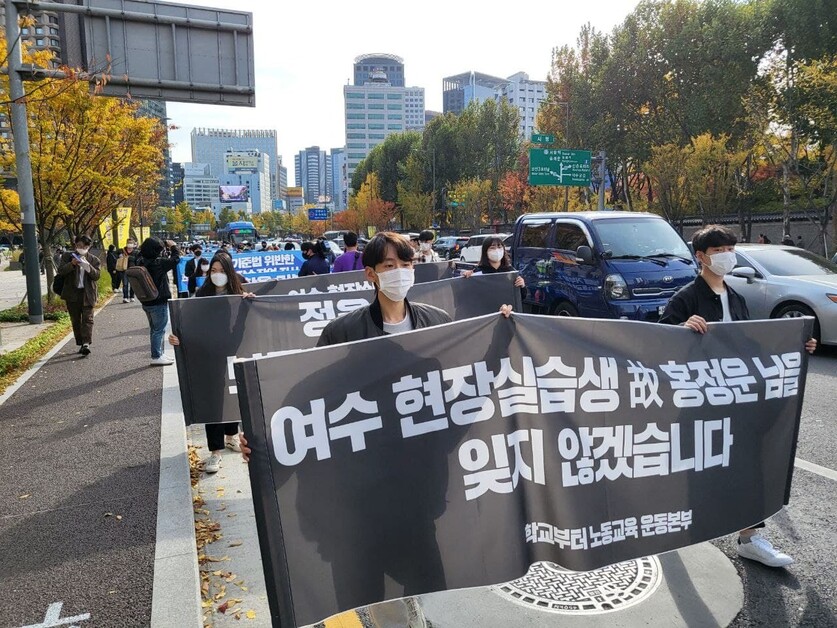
708 299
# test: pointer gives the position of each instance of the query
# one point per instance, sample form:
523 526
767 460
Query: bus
239 232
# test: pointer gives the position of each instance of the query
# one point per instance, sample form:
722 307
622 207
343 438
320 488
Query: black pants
215 433
82 317
115 279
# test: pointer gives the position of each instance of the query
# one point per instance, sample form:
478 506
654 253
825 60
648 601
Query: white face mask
722 263
219 279
130 249
425 246
395 284
82 251
495 255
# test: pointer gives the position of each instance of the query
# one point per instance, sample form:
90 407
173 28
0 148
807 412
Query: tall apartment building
311 171
377 109
44 34
210 145
200 188
527 96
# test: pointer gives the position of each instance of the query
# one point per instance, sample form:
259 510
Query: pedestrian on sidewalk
196 267
157 311
126 259
222 280
110 261
80 271
708 299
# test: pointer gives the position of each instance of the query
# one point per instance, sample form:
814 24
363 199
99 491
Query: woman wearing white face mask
495 259
426 252
222 280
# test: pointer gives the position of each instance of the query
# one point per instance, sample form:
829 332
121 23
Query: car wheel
564 308
797 310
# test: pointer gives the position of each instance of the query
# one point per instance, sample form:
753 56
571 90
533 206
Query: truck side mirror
584 255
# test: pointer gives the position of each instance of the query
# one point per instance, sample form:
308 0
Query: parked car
600 264
472 250
361 243
786 282
449 247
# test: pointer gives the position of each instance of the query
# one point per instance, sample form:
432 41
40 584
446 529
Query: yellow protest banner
141 233
106 232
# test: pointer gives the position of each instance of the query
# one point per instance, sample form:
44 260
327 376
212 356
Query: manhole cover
552 588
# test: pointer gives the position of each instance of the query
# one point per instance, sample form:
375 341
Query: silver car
786 281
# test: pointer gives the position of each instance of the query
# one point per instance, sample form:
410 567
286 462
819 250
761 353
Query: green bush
54 311
15 362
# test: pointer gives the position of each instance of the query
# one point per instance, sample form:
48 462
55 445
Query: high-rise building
392 65
248 169
200 188
296 199
43 34
527 96
377 109
311 171
210 145
283 180
339 179
176 178
462 89
157 109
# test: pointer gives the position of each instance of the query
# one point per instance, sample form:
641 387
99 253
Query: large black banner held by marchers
215 330
458 455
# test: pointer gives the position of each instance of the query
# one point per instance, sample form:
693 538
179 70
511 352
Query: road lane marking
825 472
53 618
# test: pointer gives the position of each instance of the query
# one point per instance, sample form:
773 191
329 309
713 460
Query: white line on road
825 472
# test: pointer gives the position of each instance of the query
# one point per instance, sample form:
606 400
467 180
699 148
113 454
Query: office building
377 109
311 171
296 199
43 34
282 188
527 96
366 64
462 89
247 178
209 146
157 109
200 188
176 180
339 180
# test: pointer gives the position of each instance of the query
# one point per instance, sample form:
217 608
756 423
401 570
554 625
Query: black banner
345 282
215 330
456 456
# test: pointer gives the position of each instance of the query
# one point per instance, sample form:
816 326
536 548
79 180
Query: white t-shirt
397 328
725 305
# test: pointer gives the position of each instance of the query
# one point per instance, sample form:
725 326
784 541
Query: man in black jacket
708 299
157 311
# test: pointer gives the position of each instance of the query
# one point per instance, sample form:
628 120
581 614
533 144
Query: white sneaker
124 300
761 550
231 442
212 464
131 299
163 360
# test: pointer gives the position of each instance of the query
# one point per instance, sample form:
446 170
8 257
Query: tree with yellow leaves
89 155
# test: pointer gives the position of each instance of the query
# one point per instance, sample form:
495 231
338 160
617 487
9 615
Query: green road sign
553 166
540 138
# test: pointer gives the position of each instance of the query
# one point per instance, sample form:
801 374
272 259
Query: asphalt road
804 594
80 472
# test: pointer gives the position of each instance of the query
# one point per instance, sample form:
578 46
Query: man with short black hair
351 258
80 271
708 299
426 252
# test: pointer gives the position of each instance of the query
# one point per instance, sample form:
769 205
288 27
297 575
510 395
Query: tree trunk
786 201
627 183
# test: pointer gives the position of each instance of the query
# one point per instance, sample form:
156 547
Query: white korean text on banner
456 456
213 331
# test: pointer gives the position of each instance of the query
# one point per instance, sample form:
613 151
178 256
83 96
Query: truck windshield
640 237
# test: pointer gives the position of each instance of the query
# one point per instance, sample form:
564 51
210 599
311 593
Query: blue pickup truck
600 264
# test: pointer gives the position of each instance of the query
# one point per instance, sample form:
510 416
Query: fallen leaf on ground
236 543
119 517
251 614
26 496
223 608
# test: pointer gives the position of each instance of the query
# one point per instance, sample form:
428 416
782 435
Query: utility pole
23 165
602 183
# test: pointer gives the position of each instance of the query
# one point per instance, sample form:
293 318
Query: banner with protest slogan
215 330
254 266
420 462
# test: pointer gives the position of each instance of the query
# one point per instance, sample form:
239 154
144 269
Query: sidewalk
13 287
81 469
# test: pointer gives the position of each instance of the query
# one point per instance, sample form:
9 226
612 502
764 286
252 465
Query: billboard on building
296 192
241 163
234 193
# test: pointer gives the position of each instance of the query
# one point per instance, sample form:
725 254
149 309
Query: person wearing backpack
155 302
79 271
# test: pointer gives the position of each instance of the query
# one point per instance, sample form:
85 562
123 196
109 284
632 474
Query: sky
305 52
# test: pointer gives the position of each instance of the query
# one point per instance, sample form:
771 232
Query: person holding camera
80 273
157 311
